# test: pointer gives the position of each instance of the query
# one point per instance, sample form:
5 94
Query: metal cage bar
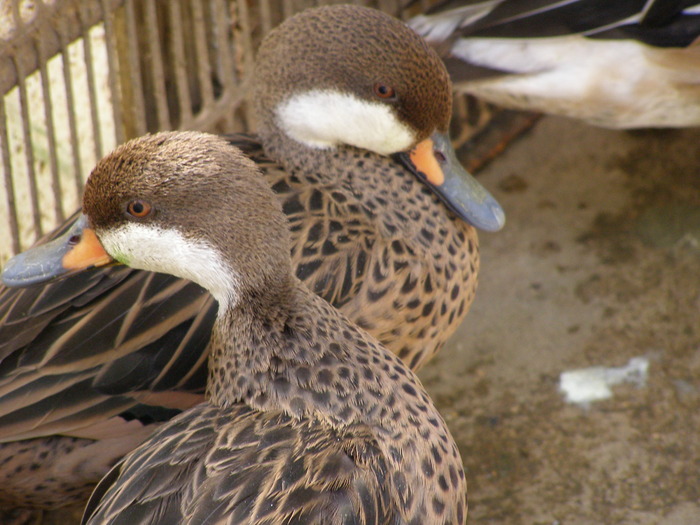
131 79
59 212
13 223
203 66
184 96
225 72
70 101
92 88
29 151
113 71
156 62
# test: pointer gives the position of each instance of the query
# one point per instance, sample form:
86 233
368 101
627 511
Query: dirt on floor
599 263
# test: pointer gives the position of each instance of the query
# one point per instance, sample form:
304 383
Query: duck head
183 203
339 76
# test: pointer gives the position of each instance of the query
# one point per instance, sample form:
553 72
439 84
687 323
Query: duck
353 109
307 418
618 65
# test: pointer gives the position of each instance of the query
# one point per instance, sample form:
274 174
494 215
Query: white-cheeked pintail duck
353 111
308 419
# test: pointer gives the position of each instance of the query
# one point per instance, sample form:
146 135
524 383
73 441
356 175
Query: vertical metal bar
9 184
70 101
113 71
162 113
265 16
248 54
287 8
203 65
180 65
92 91
59 213
226 72
28 150
7 163
135 78
222 24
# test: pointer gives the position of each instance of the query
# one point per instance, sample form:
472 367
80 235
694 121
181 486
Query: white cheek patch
325 119
167 251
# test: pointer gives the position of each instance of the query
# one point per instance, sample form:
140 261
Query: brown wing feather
237 466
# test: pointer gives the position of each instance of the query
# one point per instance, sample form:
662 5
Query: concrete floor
599 262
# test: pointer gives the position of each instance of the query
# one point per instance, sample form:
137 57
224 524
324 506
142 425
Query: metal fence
78 77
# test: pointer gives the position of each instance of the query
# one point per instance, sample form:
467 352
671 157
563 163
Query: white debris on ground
586 385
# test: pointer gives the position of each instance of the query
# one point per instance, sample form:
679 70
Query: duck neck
301 356
245 341
361 171
301 158
376 185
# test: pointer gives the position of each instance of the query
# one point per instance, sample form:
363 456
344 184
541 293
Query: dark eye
138 209
439 156
384 90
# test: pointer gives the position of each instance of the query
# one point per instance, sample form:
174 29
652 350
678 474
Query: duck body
91 364
401 253
355 440
308 419
628 64
350 248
